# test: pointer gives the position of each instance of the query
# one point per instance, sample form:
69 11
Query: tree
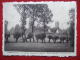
17 32
42 12
23 11
72 23
6 26
17 28
45 15
34 11
7 35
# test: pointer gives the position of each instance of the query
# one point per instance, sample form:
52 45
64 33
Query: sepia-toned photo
39 28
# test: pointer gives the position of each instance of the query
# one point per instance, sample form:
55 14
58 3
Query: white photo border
59 54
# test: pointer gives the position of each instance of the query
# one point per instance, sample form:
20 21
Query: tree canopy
34 11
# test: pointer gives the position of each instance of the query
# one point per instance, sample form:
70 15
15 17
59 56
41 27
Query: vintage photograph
39 28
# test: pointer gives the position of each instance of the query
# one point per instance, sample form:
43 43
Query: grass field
39 47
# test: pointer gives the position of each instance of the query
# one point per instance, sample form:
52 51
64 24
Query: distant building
55 29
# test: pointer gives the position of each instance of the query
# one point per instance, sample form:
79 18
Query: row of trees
39 13
36 12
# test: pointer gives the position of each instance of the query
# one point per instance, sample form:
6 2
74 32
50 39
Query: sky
60 11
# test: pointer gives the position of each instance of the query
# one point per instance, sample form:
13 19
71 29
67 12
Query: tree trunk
44 26
33 29
44 29
33 25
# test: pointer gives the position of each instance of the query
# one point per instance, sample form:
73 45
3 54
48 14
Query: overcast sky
60 12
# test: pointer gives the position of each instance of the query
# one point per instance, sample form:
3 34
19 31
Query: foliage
71 29
34 11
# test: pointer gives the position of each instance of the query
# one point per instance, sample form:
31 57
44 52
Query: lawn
38 47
